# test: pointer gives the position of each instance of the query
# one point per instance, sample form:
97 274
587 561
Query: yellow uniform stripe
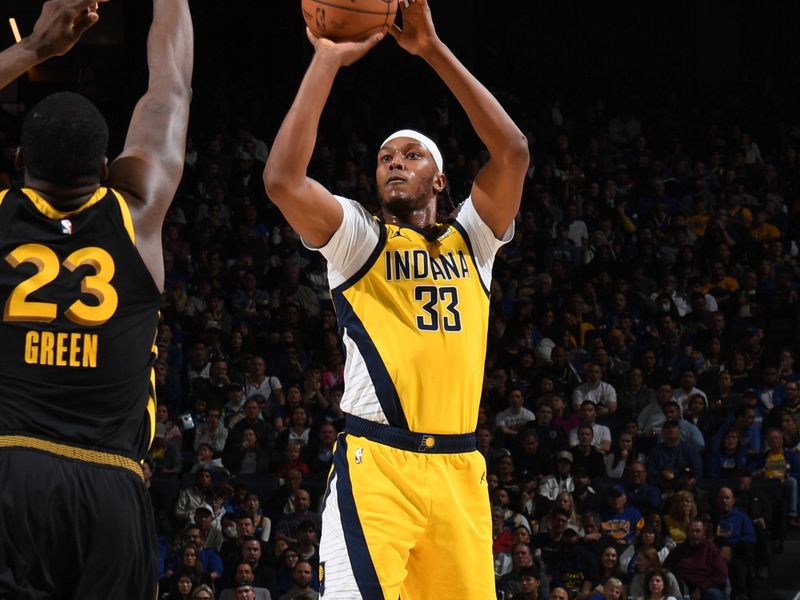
81 454
126 215
49 211
2 196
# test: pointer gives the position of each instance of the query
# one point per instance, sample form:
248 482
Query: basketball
349 19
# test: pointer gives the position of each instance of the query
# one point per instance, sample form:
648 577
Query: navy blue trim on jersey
458 227
350 281
329 478
378 373
360 560
428 443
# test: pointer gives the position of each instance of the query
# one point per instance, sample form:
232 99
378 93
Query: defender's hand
418 33
60 25
346 53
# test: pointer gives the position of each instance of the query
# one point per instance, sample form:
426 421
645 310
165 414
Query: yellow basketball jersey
417 313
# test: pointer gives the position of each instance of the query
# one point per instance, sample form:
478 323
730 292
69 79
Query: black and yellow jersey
80 311
414 317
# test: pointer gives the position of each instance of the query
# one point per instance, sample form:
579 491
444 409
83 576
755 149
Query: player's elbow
279 181
276 183
515 151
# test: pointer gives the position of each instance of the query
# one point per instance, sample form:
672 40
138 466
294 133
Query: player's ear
19 159
439 183
104 169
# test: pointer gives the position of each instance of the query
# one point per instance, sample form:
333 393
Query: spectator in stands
682 509
622 457
736 538
648 560
689 431
212 432
669 458
190 498
585 453
522 558
288 526
620 521
699 564
511 420
597 391
301 578
640 493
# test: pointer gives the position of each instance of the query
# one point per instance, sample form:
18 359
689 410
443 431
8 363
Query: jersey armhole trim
126 215
458 227
379 246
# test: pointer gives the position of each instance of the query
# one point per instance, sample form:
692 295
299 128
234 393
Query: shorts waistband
429 443
96 457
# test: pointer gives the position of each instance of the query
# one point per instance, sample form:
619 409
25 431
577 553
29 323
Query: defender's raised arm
151 164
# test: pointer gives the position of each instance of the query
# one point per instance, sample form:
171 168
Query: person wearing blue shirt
745 423
641 494
621 522
736 539
672 456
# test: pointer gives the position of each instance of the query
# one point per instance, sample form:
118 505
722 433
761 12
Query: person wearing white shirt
682 394
602 394
512 419
601 435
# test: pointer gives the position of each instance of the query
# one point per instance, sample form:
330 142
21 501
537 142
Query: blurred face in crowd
302 574
245 527
529 584
725 500
244 572
184 585
251 551
697 533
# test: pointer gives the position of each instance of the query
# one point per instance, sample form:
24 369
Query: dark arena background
659 238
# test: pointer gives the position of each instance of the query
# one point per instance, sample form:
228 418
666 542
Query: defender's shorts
74 530
406 515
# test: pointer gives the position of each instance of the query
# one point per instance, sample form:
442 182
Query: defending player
406 513
80 275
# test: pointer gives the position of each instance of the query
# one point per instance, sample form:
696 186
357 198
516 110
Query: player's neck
62 196
424 217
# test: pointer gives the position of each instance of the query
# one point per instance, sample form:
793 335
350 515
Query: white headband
429 144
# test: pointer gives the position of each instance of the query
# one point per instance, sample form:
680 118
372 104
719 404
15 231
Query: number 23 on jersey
18 307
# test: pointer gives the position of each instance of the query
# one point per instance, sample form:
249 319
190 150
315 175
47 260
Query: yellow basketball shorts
406 516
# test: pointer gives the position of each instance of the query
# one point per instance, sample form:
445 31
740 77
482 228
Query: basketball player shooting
406 513
81 273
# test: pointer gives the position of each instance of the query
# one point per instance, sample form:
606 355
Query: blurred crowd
639 416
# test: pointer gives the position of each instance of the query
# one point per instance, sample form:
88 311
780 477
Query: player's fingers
82 4
395 31
312 37
374 39
84 22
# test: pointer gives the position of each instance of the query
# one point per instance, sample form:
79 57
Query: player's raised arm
60 24
497 189
151 164
308 207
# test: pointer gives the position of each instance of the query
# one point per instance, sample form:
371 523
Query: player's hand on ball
346 52
418 32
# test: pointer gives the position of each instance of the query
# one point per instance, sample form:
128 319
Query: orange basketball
349 19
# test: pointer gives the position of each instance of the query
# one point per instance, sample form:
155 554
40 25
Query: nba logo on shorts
66 226
359 455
